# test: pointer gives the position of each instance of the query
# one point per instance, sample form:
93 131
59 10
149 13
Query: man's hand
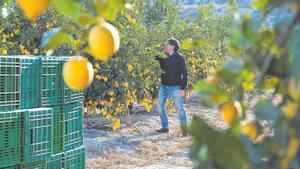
157 58
181 93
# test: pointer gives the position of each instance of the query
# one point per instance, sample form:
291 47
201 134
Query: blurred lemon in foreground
293 90
290 152
229 112
104 41
33 8
250 130
290 109
78 73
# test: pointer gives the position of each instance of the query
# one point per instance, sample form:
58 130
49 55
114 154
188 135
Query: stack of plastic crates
67 141
40 117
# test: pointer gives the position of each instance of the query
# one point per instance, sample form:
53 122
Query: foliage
20 36
265 58
131 76
143 30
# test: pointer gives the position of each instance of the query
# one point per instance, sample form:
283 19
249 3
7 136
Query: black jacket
174 70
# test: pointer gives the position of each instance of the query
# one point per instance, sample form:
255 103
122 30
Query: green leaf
108 9
253 151
239 40
86 19
202 133
210 93
56 37
231 71
260 4
229 152
224 149
70 8
265 110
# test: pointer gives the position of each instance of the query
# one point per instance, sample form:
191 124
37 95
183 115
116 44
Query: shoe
163 130
184 130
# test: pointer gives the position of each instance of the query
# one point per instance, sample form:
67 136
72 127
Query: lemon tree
265 61
22 36
126 76
132 75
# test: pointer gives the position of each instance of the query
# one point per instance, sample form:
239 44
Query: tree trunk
128 119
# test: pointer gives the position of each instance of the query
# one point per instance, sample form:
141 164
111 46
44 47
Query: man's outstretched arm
162 62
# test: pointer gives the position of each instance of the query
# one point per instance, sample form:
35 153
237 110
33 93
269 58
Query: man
173 83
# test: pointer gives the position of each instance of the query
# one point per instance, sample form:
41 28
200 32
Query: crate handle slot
31 136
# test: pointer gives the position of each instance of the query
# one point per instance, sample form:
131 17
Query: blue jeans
164 93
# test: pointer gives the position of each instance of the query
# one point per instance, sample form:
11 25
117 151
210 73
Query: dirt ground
139 147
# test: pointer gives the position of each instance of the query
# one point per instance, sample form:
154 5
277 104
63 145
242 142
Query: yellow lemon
250 130
78 73
229 112
105 78
104 113
104 41
129 68
4 52
293 147
33 8
290 109
125 85
116 84
293 90
290 152
107 117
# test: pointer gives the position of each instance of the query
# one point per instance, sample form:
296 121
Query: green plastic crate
38 134
19 82
75 159
52 81
11 132
9 83
73 125
31 165
72 96
55 91
67 127
58 129
30 95
55 161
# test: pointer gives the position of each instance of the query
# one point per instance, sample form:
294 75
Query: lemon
290 109
104 41
78 73
229 112
293 90
4 52
293 147
33 8
125 85
250 130
290 152
129 68
104 113
107 117
116 84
